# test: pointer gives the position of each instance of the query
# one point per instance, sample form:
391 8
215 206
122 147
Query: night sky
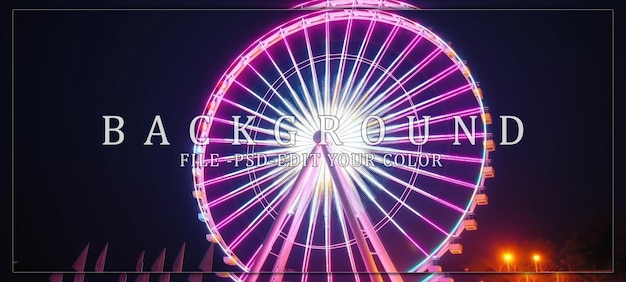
553 69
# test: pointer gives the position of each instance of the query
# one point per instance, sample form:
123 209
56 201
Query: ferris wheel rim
283 30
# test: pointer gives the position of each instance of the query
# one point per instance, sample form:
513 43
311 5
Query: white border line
13 261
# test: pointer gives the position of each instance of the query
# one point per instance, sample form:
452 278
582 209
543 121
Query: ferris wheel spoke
292 109
377 170
255 95
261 142
326 102
316 85
370 71
435 120
374 180
236 174
357 64
431 102
346 236
305 88
298 216
440 177
258 181
360 183
253 128
243 172
250 169
246 206
420 191
354 135
355 213
418 122
301 181
257 113
356 141
342 65
431 138
257 155
433 175
455 158
384 95
327 211
272 205
293 93
248 264
367 95
415 91
314 209
388 151
249 185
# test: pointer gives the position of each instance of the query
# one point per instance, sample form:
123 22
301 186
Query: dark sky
553 69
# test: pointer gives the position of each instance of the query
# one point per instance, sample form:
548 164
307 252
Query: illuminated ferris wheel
332 145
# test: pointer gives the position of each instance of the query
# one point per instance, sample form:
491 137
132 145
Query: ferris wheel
315 152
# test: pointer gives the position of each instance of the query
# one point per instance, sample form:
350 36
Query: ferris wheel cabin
469 223
455 246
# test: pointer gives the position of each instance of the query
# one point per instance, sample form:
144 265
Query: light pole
508 257
536 258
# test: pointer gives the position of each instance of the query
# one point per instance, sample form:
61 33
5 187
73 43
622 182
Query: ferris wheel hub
317 137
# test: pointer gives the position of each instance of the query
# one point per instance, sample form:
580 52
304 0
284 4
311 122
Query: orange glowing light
508 257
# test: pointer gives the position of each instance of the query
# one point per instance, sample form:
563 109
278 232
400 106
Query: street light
508 257
536 258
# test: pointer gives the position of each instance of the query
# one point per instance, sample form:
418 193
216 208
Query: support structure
355 215
292 194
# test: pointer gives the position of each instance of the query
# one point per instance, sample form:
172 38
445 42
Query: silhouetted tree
590 250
